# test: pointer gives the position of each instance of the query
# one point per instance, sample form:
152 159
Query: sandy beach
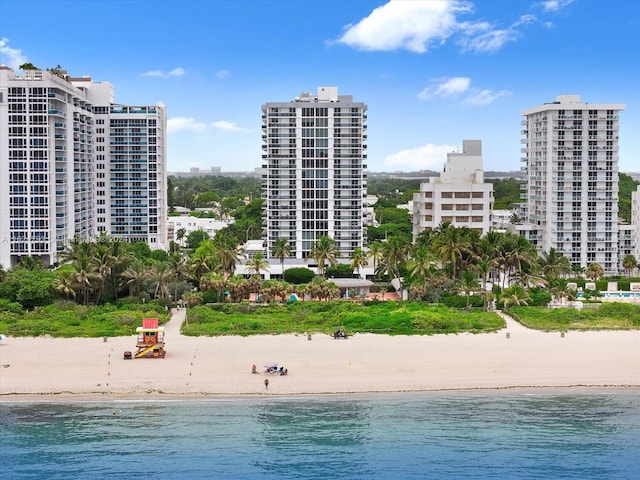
92 369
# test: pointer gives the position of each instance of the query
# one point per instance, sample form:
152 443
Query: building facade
635 221
73 164
459 196
571 162
314 181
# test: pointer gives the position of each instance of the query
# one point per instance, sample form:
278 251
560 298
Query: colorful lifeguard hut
150 339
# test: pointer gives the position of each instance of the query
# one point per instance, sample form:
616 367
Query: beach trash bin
104 339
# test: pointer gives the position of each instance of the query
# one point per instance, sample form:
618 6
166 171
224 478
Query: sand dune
59 369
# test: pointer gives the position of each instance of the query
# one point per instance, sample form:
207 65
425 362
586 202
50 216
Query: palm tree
577 269
594 271
180 236
161 275
515 296
358 259
450 245
120 257
629 263
225 256
103 262
200 263
324 250
84 276
76 249
238 287
468 283
518 253
134 275
179 271
395 253
375 253
213 281
554 264
30 263
64 283
484 267
560 290
421 265
256 264
281 250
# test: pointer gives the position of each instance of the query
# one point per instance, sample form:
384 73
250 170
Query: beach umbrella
271 365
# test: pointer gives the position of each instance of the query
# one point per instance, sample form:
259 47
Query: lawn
606 316
66 319
391 318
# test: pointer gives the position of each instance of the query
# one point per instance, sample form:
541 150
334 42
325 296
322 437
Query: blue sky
431 72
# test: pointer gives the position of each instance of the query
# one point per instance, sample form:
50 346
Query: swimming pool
616 295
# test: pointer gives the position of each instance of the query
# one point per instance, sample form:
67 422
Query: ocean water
512 435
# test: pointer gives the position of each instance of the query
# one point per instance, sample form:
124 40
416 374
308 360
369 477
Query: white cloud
228 126
554 5
445 87
222 73
426 157
459 88
418 26
484 97
176 72
411 25
181 124
491 40
189 124
11 57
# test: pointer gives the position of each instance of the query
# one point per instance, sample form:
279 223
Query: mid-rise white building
459 196
73 164
314 181
635 221
179 227
571 163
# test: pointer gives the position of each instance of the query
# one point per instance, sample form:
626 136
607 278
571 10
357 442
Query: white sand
61 369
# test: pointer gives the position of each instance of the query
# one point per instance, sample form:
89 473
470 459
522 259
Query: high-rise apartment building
73 164
314 181
459 196
635 221
571 163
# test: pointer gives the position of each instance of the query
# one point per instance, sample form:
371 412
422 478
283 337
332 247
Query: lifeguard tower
150 339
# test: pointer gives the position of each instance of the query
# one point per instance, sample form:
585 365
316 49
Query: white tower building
635 221
571 163
459 196
314 182
63 146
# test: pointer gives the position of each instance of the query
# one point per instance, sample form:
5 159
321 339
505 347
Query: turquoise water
510 435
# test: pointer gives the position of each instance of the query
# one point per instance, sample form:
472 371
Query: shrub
298 275
460 301
12 307
340 270
539 298
379 287
624 285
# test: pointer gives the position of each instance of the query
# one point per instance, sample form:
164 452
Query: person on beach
266 384
254 369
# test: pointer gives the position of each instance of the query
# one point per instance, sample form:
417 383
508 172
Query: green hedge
407 318
66 319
